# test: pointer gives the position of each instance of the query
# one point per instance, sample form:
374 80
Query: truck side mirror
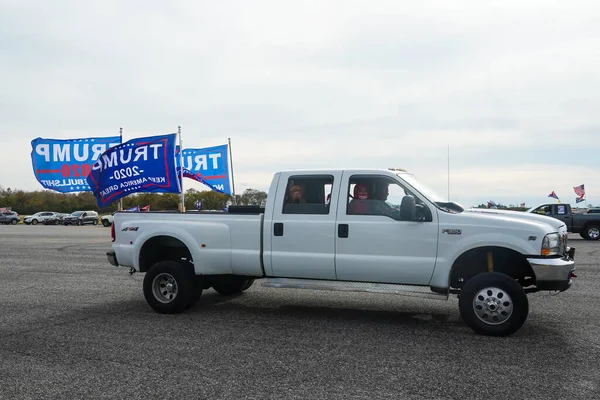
408 209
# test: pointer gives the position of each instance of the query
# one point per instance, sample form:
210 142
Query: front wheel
169 287
95 222
493 304
34 222
592 232
14 222
105 223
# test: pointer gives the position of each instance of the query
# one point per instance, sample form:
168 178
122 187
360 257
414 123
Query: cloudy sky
512 87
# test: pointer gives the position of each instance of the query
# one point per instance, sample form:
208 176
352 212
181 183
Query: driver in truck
382 191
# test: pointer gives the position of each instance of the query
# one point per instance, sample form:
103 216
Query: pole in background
448 172
231 166
120 206
181 168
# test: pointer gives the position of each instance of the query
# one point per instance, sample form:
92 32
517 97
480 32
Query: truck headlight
551 244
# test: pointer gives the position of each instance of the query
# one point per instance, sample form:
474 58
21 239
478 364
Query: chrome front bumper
554 273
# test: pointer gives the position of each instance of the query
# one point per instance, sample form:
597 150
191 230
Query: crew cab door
302 233
373 244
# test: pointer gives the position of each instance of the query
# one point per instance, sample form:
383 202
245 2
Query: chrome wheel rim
594 233
164 288
493 306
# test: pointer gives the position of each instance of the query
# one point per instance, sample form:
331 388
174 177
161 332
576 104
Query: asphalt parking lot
73 326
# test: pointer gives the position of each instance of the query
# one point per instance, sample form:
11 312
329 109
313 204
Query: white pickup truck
378 231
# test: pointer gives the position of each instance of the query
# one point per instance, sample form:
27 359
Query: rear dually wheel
169 287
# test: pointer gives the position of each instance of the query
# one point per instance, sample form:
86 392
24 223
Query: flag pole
231 166
120 205
182 209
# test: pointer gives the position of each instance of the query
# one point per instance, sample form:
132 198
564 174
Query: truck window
545 210
307 194
369 195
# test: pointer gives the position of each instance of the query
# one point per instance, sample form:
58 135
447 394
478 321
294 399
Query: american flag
579 190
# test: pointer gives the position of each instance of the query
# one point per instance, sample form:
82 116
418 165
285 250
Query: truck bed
226 242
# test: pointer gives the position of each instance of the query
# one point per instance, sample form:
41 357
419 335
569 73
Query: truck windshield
431 194
421 188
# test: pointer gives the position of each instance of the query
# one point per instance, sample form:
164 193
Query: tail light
112 231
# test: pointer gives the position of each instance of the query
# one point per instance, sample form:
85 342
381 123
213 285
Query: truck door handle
343 230
278 229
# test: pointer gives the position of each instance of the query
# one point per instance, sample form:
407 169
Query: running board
342 286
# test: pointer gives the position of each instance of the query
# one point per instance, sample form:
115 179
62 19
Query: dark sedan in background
81 218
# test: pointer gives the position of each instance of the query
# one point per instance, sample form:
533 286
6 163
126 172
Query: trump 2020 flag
64 164
208 165
144 164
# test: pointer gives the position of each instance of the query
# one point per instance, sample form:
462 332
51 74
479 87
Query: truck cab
316 238
586 224
559 211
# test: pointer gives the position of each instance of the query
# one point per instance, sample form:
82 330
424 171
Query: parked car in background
587 225
9 218
81 218
38 217
107 220
57 219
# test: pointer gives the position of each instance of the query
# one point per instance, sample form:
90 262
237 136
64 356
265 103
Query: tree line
512 207
30 202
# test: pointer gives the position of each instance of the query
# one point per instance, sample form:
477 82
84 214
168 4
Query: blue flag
144 164
209 165
64 164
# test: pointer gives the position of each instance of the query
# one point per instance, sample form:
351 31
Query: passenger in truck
358 205
296 194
